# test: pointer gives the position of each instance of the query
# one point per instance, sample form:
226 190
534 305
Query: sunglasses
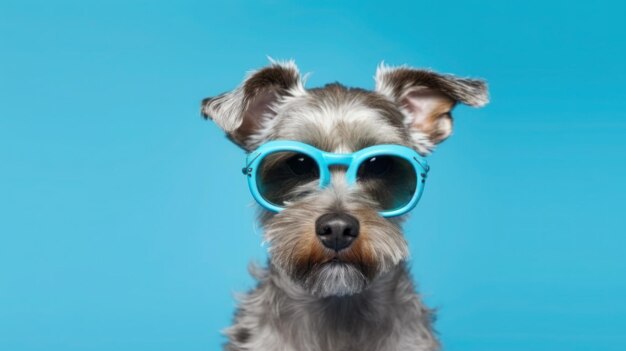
281 171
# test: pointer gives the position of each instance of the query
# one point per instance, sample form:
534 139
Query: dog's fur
363 299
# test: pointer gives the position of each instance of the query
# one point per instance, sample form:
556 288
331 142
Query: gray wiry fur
311 298
281 316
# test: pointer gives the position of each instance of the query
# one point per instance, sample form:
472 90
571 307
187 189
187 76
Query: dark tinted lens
390 180
283 176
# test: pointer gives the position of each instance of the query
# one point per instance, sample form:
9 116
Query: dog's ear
242 112
426 98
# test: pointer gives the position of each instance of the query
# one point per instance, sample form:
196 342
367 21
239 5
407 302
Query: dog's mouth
330 262
333 260
338 261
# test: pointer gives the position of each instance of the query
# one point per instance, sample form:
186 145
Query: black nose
337 230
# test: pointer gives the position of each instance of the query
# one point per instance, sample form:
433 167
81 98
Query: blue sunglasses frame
325 159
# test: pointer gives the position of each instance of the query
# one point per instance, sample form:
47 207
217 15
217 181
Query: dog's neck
280 315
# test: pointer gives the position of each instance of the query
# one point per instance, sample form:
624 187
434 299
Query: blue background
126 225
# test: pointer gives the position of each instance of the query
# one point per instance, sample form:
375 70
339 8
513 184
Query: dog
337 166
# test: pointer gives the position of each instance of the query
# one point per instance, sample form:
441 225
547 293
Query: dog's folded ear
427 98
243 112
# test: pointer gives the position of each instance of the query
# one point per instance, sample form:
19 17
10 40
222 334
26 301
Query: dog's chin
335 279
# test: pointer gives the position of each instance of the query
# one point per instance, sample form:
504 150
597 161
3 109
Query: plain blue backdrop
125 223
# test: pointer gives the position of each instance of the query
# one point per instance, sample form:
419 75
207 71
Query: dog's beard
297 251
335 279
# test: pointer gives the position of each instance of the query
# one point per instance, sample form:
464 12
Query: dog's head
409 107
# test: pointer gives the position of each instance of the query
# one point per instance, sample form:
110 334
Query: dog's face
409 107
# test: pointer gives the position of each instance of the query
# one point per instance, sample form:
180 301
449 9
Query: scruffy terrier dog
335 170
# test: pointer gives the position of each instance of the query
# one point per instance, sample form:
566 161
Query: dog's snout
337 231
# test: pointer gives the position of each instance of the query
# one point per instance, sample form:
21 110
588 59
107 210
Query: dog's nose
337 230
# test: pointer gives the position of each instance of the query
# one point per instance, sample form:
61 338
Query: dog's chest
307 338
270 319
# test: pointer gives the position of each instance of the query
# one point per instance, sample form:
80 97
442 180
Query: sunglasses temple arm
247 170
424 166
